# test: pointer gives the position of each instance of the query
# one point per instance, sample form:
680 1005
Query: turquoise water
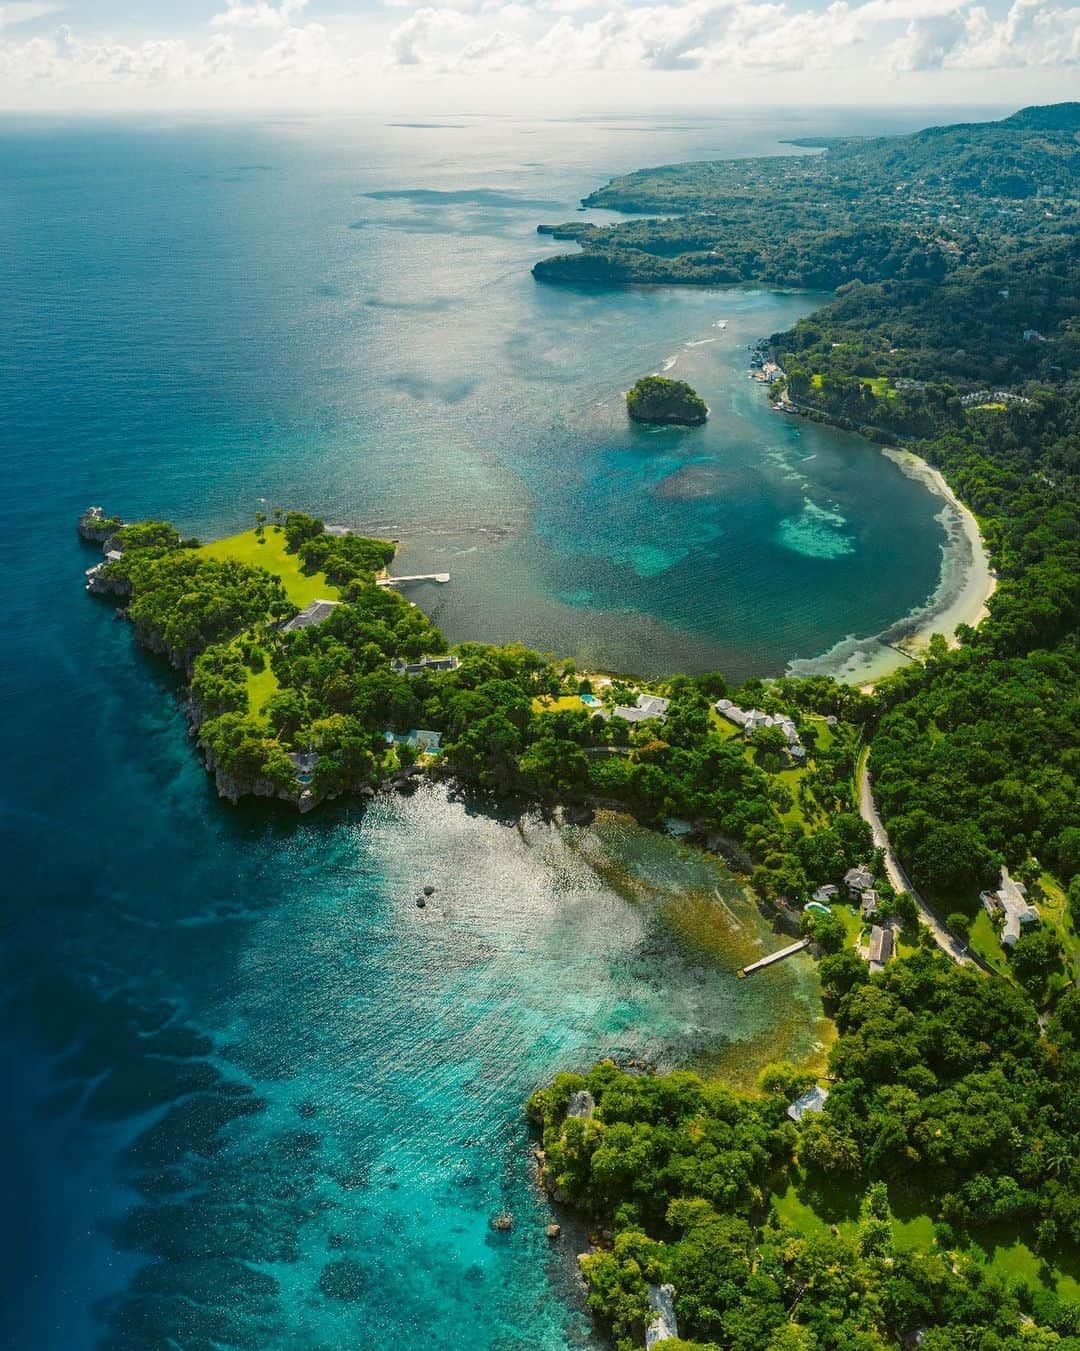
256 1098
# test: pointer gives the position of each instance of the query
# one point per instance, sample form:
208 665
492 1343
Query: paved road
894 868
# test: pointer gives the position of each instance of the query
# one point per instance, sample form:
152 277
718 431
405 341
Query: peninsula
666 403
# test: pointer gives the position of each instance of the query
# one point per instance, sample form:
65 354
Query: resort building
318 612
858 880
447 662
813 1100
1010 902
869 904
753 718
647 706
304 763
420 739
826 894
880 949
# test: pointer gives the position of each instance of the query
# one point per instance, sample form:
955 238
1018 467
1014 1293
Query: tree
1036 956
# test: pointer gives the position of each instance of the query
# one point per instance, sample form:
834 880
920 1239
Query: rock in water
553 1231
503 1222
420 902
429 891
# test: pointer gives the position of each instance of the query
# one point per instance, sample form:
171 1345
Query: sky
531 55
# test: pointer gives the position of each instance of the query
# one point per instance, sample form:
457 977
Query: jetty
418 577
763 962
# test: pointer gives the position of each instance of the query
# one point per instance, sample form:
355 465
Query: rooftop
315 613
813 1100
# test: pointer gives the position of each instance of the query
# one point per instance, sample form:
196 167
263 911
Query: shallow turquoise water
235 1051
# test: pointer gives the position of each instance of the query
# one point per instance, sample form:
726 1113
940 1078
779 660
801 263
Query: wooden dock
763 962
419 577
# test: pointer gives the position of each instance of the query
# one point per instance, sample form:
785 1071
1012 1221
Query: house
647 706
1033 335
869 904
813 1100
880 949
751 719
1010 900
420 739
304 763
858 880
826 894
318 612
446 662
338 531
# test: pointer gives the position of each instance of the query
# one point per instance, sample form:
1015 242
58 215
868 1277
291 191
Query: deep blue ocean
255 1098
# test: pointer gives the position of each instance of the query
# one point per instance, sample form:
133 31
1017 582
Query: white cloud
259 14
409 40
700 50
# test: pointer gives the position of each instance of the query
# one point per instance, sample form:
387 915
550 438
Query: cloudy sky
476 55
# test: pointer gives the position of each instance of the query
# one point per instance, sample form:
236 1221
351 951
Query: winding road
895 871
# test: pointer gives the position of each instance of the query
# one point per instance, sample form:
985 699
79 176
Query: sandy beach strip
965 586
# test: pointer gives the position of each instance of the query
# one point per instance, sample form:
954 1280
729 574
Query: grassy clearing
261 686
851 919
878 385
1053 905
1010 1258
984 941
269 553
565 703
721 727
825 734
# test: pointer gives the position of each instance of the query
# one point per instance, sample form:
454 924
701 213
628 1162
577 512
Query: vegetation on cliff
656 399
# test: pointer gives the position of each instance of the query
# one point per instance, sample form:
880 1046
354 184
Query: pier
762 962
419 577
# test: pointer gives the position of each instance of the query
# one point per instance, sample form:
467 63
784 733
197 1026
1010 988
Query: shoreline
965 585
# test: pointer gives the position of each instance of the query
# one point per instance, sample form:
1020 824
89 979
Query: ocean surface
255 1097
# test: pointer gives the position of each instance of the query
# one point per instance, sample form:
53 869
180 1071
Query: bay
255 1096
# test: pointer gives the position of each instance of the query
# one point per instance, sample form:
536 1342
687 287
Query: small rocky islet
659 401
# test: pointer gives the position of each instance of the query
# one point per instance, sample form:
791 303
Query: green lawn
1053 905
722 727
878 385
1009 1257
269 553
851 919
985 941
908 1234
261 686
562 704
825 734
